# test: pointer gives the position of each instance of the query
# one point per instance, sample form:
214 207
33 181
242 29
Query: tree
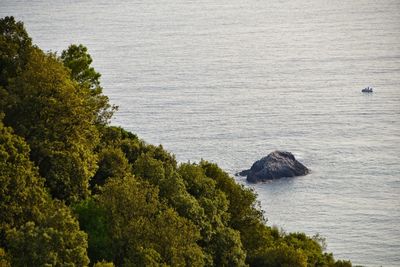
312 248
280 256
22 196
56 119
128 225
112 164
4 260
245 215
149 168
53 241
104 264
78 61
227 248
221 242
34 229
242 201
93 220
15 46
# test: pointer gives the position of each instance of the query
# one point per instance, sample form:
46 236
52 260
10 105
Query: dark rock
276 165
243 173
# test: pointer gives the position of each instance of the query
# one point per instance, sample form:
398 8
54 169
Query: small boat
367 90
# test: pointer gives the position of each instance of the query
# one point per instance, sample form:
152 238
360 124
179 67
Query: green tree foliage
4 260
265 246
226 248
245 216
78 61
115 136
222 243
312 249
173 191
34 229
112 163
15 46
21 189
52 112
104 264
342 263
93 220
144 232
53 241
281 256
149 168
242 201
133 147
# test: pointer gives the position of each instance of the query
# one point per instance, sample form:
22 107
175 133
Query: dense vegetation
75 191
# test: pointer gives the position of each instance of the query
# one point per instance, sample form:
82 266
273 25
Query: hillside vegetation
75 191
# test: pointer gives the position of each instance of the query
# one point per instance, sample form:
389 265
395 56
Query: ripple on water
230 81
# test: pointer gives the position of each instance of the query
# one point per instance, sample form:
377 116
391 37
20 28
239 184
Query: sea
230 81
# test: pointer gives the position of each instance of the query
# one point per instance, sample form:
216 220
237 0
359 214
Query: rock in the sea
276 165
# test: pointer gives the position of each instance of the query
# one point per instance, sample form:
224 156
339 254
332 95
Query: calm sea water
231 81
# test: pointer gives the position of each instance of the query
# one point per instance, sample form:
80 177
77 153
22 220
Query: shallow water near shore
231 81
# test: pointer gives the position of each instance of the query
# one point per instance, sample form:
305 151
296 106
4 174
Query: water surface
231 81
